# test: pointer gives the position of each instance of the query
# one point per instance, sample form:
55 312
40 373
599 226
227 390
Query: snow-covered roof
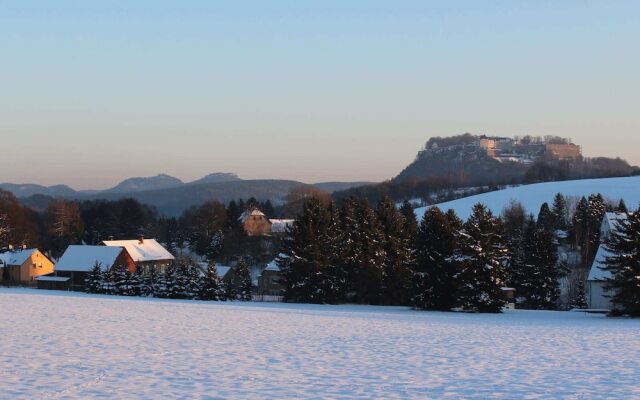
142 250
222 270
83 258
280 225
610 222
16 257
272 266
46 278
254 212
597 272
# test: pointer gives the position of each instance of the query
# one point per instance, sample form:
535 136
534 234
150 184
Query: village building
256 223
597 293
568 151
269 280
23 265
77 262
147 253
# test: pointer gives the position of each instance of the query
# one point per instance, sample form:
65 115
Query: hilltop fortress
523 150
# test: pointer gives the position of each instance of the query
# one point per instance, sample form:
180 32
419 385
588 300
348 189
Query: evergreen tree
149 283
230 292
542 271
243 279
363 251
409 219
559 211
579 299
94 281
120 281
546 219
211 286
395 265
596 210
482 256
193 282
308 256
435 269
622 207
517 270
136 281
624 265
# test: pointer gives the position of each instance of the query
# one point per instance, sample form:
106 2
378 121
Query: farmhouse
597 296
23 265
77 261
256 223
147 253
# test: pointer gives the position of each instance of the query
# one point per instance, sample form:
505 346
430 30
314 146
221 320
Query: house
77 261
147 253
597 296
256 223
269 280
23 265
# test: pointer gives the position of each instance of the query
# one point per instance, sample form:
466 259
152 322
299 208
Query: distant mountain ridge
170 195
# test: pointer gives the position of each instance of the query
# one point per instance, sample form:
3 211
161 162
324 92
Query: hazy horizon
93 93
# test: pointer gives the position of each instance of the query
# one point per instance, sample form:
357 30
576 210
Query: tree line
180 280
381 255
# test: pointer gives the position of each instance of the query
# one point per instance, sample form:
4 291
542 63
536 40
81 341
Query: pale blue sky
92 92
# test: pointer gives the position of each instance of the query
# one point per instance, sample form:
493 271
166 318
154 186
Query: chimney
141 239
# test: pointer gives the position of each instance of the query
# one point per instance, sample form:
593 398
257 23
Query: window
34 266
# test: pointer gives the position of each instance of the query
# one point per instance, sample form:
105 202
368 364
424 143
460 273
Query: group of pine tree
181 280
380 255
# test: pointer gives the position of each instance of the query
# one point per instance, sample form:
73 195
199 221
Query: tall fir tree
546 219
309 272
596 211
120 280
409 219
623 244
579 299
622 207
542 274
211 287
435 270
559 211
243 279
397 254
482 256
136 281
94 281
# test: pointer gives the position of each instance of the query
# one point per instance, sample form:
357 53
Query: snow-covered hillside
532 196
57 345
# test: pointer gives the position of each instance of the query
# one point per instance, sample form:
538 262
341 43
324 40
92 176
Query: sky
92 92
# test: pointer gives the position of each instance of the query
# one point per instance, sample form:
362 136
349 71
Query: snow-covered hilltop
532 196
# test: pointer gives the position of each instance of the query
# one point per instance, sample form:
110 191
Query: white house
597 295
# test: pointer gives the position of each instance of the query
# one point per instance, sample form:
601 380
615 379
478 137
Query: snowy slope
532 196
57 345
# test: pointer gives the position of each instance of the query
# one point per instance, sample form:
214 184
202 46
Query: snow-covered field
532 196
75 346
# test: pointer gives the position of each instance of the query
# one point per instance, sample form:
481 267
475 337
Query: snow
83 258
44 278
16 257
532 196
142 250
280 225
61 345
272 266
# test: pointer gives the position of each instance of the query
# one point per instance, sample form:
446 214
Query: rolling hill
532 196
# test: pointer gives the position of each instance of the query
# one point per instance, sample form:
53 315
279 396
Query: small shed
50 282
